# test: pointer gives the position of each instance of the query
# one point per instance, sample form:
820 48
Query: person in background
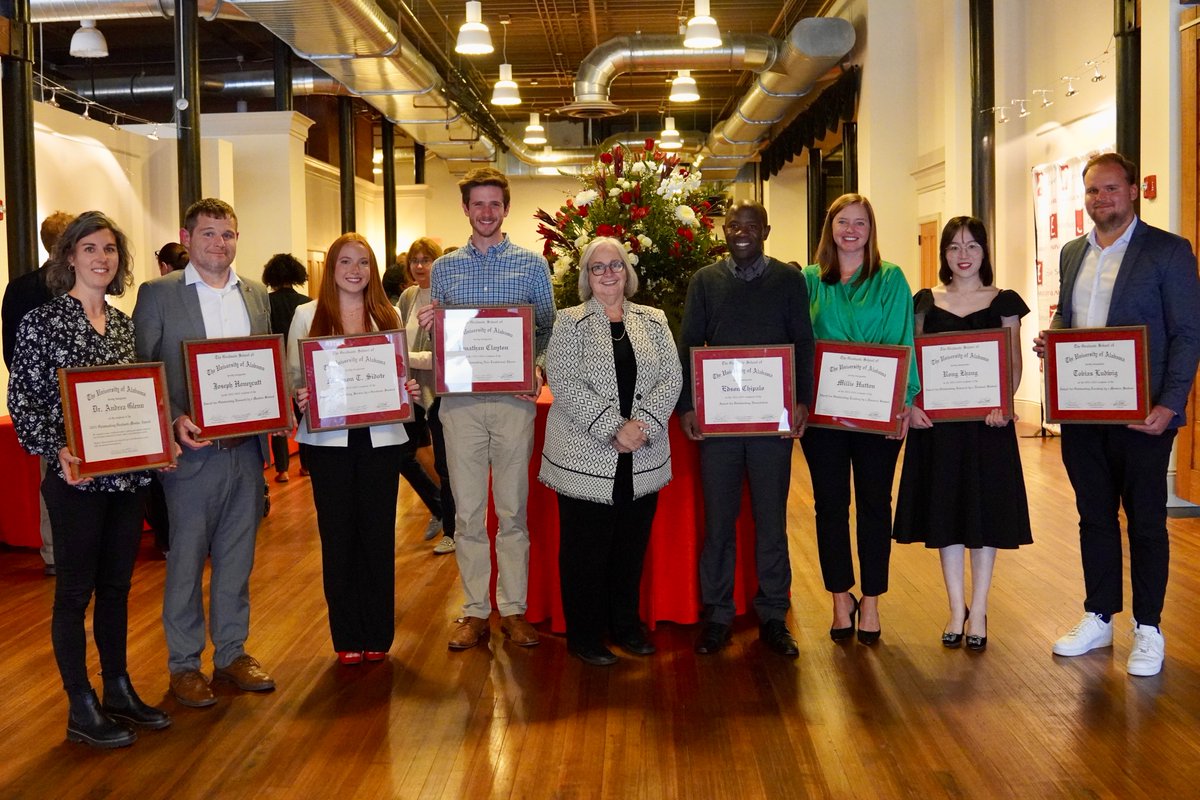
1125 272
747 299
22 295
962 487
355 472
856 296
97 522
282 273
394 281
492 435
171 256
215 497
616 377
428 425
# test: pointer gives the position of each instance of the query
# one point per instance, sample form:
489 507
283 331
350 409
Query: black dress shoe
712 638
775 635
597 655
840 634
955 639
87 723
122 703
977 643
634 641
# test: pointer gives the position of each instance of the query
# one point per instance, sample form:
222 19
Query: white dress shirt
224 310
1097 276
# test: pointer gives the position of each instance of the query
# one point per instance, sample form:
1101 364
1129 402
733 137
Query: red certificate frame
453 369
262 408
319 418
1133 339
708 415
90 442
971 409
887 424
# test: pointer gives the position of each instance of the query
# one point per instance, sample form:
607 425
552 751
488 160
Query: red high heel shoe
350 657
375 655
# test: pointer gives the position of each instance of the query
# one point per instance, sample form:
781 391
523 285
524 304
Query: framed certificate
859 386
744 391
486 350
236 386
116 418
964 375
355 381
1098 375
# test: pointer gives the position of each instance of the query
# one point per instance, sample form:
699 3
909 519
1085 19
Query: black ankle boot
121 702
88 724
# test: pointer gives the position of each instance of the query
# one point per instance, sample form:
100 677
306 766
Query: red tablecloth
20 479
670 581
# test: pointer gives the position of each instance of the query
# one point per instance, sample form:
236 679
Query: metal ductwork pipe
254 83
75 10
659 53
813 47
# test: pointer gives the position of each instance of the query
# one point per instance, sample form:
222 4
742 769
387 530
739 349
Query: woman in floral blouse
96 522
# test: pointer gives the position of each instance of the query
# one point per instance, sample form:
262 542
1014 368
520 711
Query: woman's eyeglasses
971 249
612 266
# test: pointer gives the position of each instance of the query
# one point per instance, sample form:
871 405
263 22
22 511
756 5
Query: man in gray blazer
1126 272
215 496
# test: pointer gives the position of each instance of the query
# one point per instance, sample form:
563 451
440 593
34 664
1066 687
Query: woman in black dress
962 487
282 273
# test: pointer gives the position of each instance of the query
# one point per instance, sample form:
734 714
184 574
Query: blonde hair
585 285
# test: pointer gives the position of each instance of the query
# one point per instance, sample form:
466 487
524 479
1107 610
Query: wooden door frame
1187 470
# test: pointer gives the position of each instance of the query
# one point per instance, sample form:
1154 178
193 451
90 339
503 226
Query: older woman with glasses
615 374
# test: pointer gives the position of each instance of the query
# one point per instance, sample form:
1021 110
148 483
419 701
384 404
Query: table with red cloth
670 580
20 482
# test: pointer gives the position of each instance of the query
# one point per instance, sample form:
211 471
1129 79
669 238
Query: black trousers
724 462
1110 466
833 457
600 555
412 470
96 537
354 491
443 470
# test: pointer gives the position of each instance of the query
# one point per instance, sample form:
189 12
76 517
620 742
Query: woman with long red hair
355 473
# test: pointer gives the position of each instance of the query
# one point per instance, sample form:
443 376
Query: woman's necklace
623 330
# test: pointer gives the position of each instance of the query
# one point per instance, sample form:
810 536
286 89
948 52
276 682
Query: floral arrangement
651 203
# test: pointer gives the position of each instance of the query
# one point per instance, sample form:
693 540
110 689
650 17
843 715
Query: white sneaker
1146 658
446 545
432 528
1090 633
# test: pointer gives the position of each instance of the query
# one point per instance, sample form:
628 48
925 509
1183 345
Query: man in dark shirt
746 299
23 294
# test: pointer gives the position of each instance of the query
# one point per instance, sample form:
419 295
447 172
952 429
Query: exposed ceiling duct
75 10
249 83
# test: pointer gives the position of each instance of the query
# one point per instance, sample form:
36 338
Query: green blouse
879 311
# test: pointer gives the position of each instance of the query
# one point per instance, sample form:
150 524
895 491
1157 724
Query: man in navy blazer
215 496
1126 272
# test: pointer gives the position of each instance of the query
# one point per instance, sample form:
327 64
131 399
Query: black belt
231 442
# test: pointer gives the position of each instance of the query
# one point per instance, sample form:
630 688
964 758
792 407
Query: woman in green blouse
855 296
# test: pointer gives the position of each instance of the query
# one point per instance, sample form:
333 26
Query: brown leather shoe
247 674
519 631
191 689
470 632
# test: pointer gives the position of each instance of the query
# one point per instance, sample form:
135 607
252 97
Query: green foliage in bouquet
653 204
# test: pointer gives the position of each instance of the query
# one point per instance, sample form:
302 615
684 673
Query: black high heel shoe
956 639
869 637
841 634
977 643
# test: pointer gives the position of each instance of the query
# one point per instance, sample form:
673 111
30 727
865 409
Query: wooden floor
906 718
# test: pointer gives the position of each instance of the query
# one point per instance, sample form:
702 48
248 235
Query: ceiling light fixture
1045 93
1022 111
669 139
535 133
683 88
505 92
473 36
53 101
1097 75
1001 115
88 41
153 135
87 110
702 31
1069 80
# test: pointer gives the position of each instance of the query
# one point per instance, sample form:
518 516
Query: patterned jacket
579 459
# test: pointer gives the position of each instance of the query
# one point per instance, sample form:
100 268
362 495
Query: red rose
686 233
626 197
619 230
605 230
606 158
583 211
649 145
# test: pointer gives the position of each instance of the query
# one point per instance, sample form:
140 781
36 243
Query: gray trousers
215 502
767 462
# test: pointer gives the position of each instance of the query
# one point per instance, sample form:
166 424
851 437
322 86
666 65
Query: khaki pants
490 434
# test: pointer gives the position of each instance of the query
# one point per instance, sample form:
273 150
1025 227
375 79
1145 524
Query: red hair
327 321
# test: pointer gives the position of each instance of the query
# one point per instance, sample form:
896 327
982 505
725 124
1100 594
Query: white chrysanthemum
614 192
582 241
646 242
686 215
638 168
586 197
561 266
633 259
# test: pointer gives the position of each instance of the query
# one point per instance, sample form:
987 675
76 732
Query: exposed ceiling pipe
658 53
814 46
251 83
75 10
